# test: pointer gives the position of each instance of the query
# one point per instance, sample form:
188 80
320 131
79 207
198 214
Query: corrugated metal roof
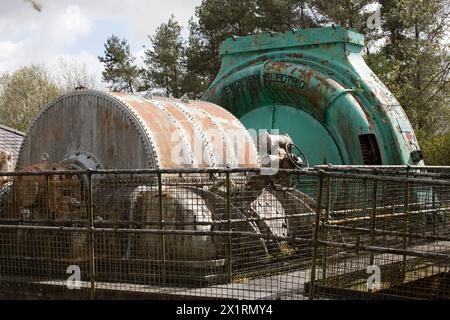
10 140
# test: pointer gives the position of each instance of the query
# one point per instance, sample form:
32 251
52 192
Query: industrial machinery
93 130
311 85
314 85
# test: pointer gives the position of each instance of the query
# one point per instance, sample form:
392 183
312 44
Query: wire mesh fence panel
216 235
43 233
390 241
232 234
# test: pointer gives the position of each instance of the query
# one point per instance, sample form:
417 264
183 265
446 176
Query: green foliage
346 13
165 65
415 65
282 15
198 75
120 71
218 20
436 149
175 66
22 95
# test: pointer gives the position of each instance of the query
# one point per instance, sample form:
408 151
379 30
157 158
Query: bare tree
72 74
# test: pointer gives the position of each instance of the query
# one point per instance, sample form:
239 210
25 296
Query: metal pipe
158 223
316 169
215 232
158 232
312 172
361 247
390 233
392 172
132 171
375 167
391 207
387 178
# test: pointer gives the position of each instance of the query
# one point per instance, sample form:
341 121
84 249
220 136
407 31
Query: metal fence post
230 229
91 237
316 235
47 198
161 225
434 212
325 230
405 238
445 213
373 217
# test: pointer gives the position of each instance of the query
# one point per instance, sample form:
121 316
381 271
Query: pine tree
165 60
346 13
283 15
220 19
120 72
197 77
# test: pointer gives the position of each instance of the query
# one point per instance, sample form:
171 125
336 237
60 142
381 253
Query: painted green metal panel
323 93
273 117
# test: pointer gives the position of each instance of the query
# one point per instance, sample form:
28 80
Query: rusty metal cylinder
92 129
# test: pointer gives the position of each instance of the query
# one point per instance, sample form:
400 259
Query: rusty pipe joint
275 151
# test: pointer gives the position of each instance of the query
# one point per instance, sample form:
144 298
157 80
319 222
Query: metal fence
233 234
383 234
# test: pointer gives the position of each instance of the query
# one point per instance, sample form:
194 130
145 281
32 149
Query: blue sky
76 30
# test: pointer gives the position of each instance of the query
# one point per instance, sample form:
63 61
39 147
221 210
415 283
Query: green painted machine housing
314 85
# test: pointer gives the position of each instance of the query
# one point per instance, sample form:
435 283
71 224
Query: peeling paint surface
319 72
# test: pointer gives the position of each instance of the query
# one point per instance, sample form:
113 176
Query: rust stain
297 55
188 127
162 130
56 134
191 126
229 122
30 190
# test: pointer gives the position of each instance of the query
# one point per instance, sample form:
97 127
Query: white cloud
71 25
63 27
139 57
7 50
15 55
